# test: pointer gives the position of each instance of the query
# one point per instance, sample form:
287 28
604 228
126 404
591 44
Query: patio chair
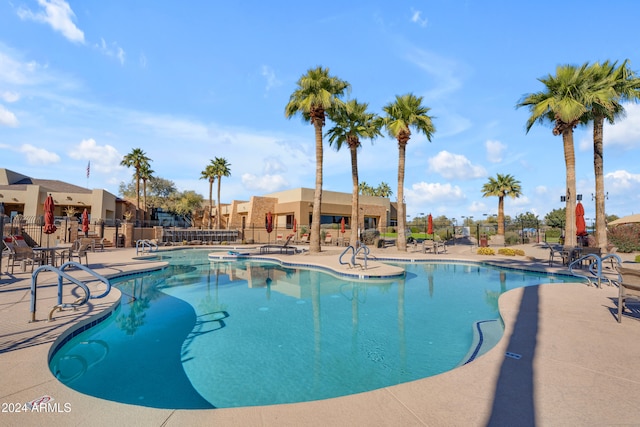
629 286
79 250
304 238
328 239
555 250
279 238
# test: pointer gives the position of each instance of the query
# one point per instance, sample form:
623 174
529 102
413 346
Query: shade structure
626 220
342 230
429 224
85 221
49 206
581 226
268 222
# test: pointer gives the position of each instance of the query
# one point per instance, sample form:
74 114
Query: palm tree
317 93
220 169
136 159
365 189
626 87
502 186
209 173
383 190
562 104
407 111
352 122
145 174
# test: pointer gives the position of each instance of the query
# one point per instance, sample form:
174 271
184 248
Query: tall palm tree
146 173
317 93
220 169
502 186
209 174
136 159
352 122
407 111
626 87
562 103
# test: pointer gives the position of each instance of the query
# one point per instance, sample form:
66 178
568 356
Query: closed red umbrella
342 230
295 225
581 226
268 224
85 222
429 224
49 206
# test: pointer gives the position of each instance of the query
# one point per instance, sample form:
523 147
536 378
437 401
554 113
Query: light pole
425 225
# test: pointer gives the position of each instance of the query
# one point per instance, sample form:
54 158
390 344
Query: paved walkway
573 365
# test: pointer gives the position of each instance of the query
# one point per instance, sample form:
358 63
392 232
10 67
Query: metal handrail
365 251
344 253
595 268
145 243
63 275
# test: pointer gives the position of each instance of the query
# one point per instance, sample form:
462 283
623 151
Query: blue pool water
204 334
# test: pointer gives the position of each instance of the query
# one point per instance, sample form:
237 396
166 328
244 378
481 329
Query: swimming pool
204 334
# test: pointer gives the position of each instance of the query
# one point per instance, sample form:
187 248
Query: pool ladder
62 274
147 245
595 270
354 253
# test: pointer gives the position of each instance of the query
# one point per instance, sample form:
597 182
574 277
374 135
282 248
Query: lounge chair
304 238
279 238
328 239
22 255
281 249
628 286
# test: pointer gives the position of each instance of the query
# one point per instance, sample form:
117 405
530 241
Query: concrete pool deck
569 362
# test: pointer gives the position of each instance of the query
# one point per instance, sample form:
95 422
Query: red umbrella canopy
268 224
429 224
581 226
342 225
49 226
85 221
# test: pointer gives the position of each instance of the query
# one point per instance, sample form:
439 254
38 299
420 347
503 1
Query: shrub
626 237
370 236
391 230
510 252
486 251
511 238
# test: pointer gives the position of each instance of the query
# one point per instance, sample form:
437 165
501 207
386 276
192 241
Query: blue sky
188 81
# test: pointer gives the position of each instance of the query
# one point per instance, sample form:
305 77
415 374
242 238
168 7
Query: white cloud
111 50
58 14
263 184
625 133
10 96
143 60
270 76
455 166
495 150
104 158
38 156
424 192
445 72
541 190
622 182
416 17
7 118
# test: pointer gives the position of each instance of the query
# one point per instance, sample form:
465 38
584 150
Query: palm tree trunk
598 166
218 210
137 192
314 242
210 201
501 216
402 217
570 163
355 198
